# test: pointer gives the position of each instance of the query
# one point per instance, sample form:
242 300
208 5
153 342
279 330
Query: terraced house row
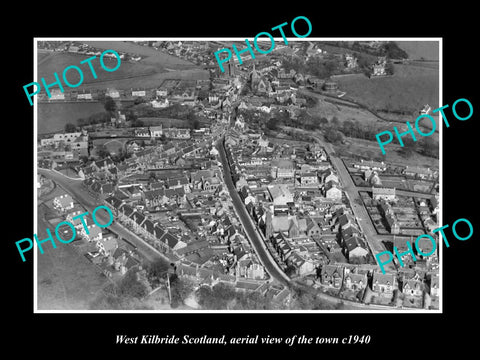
161 238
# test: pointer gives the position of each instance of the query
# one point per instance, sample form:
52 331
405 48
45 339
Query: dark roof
114 201
170 240
118 252
159 231
127 210
152 194
148 225
107 188
354 242
138 217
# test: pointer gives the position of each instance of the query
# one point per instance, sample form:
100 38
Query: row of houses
353 278
105 250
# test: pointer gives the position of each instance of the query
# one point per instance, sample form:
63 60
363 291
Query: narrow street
262 252
250 229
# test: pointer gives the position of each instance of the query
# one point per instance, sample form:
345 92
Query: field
53 116
371 151
149 72
325 108
148 54
165 122
66 280
57 62
409 89
427 50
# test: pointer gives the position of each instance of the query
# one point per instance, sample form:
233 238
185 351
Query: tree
389 68
392 51
333 136
137 123
102 151
409 147
290 270
180 290
272 124
70 128
152 176
335 122
429 147
110 104
215 298
348 128
134 284
323 121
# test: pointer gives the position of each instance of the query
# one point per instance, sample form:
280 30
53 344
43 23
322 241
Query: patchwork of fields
409 89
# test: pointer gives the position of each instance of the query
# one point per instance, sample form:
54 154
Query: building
332 191
330 86
384 283
332 275
422 173
308 179
384 193
351 61
370 165
283 168
354 281
107 245
355 247
280 194
434 285
63 202
379 68
412 284
156 131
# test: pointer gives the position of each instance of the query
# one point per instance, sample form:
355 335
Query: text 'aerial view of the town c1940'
260 187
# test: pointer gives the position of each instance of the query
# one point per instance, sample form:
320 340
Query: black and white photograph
203 181
242 182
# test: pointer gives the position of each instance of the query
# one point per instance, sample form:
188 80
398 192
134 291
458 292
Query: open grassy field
66 280
371 150
165 122
428 50
409 89
149 55
53 116
147 73
57 62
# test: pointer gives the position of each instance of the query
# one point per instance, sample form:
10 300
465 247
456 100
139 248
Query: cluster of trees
424 146
129 292
333 136
126 294
180 289
389 49
223 296
316 66
97 118
355 129
70 128
176 111
392 51
157 273
303 121
304 298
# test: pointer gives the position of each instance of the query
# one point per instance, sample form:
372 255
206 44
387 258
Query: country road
74 188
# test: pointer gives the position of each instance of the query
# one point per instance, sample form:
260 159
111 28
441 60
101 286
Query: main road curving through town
256 241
